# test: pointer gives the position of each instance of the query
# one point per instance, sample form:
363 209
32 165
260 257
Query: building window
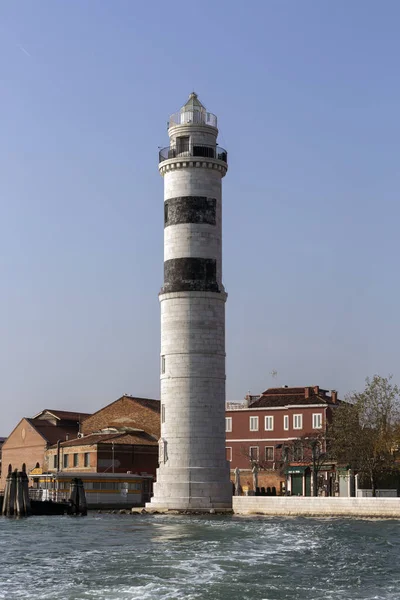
76 460
55 461
162 413
269 423
317 449
317 421
286 422
298 451
165 213
228 424
253 423
228 452
254 453
269 453
65 461
162 365
86 459
297 421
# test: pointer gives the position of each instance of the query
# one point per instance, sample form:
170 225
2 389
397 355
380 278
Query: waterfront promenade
300 506
388 508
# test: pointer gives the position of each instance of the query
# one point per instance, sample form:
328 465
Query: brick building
121 437
268 432
134 451
28 442
127 411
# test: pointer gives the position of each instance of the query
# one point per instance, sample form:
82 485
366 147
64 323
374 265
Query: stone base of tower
194 489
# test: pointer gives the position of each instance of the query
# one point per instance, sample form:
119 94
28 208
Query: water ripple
218 558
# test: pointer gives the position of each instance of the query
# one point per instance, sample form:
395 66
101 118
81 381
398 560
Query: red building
275 432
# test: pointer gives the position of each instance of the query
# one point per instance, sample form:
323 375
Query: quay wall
317 507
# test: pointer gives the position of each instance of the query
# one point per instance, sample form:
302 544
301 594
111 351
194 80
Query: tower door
182 145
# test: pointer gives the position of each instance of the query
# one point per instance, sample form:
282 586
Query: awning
296 470
36 471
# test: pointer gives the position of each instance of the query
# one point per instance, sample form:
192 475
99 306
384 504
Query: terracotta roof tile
127 411
291 396
52 433
139 438
283 391
65 415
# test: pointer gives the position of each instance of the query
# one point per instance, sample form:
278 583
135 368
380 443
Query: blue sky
307 94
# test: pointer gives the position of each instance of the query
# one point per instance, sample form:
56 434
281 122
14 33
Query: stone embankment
387 508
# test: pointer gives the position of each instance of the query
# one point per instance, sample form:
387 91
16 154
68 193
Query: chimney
307 392
334 396
316 390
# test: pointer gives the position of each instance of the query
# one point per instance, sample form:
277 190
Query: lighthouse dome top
193 112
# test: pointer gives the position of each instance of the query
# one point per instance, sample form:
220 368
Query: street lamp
317 455
285 460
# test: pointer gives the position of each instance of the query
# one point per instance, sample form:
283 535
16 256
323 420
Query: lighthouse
193 472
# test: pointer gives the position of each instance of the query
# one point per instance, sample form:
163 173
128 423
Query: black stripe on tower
190 275
189 209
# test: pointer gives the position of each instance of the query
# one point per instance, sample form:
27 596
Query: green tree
364 430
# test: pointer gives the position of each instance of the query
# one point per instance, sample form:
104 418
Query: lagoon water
157 557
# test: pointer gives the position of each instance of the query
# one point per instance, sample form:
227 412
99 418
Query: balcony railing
196 116
53 495
195 150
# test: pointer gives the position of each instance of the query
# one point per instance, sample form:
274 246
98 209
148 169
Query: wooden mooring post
77 499
16 501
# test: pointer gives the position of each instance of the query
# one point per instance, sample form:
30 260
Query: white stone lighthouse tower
193 472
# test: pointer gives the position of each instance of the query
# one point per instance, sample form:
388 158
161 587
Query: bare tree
309 450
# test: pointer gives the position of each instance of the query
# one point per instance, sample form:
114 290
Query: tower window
205 151
165 213
162 413
162 365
